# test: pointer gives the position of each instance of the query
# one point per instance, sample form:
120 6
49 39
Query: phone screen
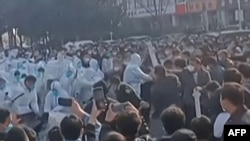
100 98
118 107
45 118
66 102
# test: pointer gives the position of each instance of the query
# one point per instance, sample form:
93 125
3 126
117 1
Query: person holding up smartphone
92 129
52 99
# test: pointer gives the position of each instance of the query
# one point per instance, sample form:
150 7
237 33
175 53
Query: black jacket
89 133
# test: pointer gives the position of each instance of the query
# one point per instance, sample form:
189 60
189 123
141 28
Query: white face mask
248 60
208 68
86 59
116 68
190 68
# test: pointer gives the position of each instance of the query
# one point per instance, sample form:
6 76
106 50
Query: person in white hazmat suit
22 66
41 85
25 101
107 64
133 75
14 78
4 94
93 63
3 62
77 63
83 86
51 99
11 60
68 78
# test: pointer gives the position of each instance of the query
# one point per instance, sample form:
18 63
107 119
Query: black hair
196 60
212 86
115 80
168 63
187 53
245 69
41 69
16 134
232 75
183 135
4 114
160 71
17 73
30 78
71 127
114 136
23 75
128 123
180 63
173 118
202 127
55 134
233 92
211 61
30 133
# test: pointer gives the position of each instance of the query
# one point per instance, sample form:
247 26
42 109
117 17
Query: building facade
203 14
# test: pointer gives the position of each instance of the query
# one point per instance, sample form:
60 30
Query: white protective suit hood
12 78
71 68
83 86
56 85
93 63
95 66
2 58
67 79
77 62
135 60
13 53
51 100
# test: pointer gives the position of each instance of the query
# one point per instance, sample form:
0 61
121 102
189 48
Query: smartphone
45 118
100 100
66 102
118 107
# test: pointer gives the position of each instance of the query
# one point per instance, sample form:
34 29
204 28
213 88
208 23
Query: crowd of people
143 100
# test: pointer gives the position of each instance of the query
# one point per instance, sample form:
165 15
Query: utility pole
240 14
205 17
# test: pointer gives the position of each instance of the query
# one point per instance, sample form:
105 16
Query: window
191 7
148 3
129 4
180 1
197 6
151 3
135 4
164 2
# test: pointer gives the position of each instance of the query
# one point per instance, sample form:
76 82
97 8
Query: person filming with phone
52 98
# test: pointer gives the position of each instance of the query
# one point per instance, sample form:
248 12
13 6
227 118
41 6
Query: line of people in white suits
22 95
25 87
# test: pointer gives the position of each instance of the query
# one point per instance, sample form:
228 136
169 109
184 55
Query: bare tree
156 11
